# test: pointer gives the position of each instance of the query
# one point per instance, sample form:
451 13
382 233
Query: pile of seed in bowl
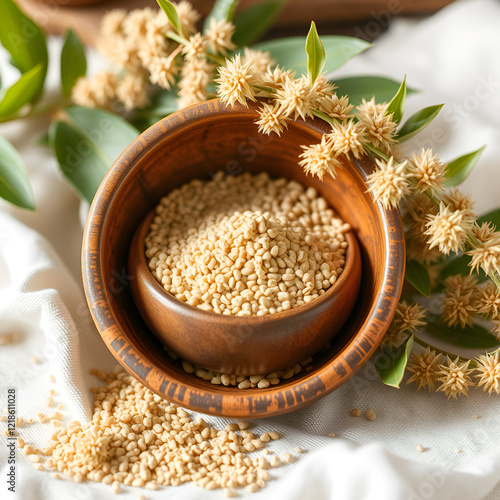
245 245
242 381
137 438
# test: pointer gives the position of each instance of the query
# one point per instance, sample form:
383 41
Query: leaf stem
176 38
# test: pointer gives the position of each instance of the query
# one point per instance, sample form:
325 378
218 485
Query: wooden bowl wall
205 138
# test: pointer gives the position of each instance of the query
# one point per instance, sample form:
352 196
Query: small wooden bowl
190 144
243 345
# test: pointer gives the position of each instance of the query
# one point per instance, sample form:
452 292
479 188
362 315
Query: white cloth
452 57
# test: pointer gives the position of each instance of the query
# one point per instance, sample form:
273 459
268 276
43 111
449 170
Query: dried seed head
455 377
390 182
236 81
425 368
349 138
488 372
447 230
428 171
320 159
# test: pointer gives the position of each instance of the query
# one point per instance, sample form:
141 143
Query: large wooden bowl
243 345
211 137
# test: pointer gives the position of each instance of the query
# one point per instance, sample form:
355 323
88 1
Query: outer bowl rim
232 402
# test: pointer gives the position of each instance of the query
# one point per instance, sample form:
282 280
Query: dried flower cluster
245 245
439 221
290 97
150 54
136 438
136 43
145 47
463 300
455 376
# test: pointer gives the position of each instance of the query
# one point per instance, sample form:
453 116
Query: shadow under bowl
195 143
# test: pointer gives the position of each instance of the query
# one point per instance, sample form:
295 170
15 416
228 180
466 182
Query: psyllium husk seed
247 245
242 382
136 438
370 414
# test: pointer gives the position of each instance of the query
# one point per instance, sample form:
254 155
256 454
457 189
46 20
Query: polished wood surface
211 137
84 16
241 345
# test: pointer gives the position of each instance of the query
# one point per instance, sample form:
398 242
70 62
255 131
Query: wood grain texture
84 16
241 345
211 137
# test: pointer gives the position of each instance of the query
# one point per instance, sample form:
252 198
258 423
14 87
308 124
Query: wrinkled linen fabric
451 57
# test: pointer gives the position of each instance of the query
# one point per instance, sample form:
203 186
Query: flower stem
430 196
450 355
263 88
323 116
376 151
216 59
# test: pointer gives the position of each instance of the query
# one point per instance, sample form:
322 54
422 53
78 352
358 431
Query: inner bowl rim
254 319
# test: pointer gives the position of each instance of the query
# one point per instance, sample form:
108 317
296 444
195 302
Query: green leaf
13 63
87 143
473 337
24 40
14 183
417 122
458 265
73 62
22 91
397 105
254 21
171 12
391 365
455 265
458 169
163 103
493 216
366 87
222 9
315 54
43 140
289 52
418 276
